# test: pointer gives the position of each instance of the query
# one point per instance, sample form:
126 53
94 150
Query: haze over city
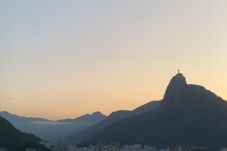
63 59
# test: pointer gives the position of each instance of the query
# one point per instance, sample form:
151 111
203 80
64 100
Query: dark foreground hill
189 115
15 140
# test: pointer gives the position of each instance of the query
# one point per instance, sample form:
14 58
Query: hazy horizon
63 59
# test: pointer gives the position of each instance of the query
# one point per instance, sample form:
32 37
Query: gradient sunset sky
66 58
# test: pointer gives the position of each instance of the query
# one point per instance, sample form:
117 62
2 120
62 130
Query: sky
62 59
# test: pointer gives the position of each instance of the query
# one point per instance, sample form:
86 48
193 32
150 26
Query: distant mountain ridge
189 115
52 130
11 117
87 118
113 117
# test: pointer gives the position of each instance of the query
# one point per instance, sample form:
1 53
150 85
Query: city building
223 149
3 149
195 148
30 149
46 143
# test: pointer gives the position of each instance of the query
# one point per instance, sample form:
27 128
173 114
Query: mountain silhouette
15 140
113 117
93 118
176 86
189 115
52 130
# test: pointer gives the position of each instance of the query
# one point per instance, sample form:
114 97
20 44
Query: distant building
223 149
135 147
172 149
46 143
3 149
30 149
149 148
199 149
179 148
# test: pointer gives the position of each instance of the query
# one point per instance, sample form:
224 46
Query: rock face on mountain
15 140
113 117
176 86
189 115
52 130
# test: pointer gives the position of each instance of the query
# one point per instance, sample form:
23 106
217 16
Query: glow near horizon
66 58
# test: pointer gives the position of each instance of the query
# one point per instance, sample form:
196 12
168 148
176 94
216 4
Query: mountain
20 119
93 118
15 140
52 130
189 115
113 117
